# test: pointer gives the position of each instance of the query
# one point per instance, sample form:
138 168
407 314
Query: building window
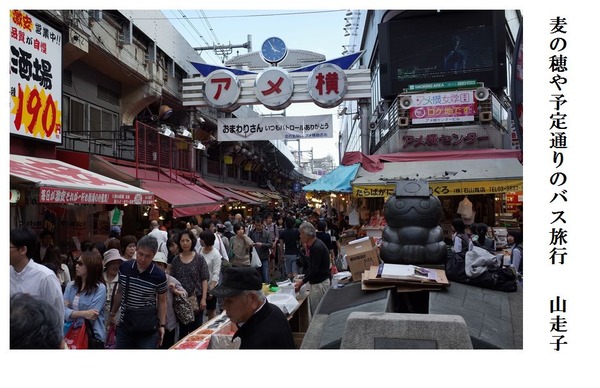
87 120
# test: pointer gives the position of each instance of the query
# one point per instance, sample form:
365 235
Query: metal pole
364 126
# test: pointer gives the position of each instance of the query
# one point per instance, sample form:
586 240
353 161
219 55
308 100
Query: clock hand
273 47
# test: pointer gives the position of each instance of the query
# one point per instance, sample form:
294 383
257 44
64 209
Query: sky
300 29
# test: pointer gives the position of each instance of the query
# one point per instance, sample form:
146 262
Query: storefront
175 194
75 204
332 189
489 187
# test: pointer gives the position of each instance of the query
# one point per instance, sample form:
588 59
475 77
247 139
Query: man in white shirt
29 277
160 235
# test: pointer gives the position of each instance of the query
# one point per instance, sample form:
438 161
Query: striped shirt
143 287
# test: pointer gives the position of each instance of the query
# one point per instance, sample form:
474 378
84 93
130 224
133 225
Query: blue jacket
95 301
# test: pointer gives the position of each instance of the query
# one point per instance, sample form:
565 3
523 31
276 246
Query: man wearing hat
261 325
228 230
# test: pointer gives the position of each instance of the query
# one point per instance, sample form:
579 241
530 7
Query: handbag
93 341
138 321
76 337
183 309
193 302
255 261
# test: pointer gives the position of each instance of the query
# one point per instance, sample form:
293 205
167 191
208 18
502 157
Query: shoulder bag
141 320
183 309
93 341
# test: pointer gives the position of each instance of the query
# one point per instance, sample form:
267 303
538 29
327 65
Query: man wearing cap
261 325
228 230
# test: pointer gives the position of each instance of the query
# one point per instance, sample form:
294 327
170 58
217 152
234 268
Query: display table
223 329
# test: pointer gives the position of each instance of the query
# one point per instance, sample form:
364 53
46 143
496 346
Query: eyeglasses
78 262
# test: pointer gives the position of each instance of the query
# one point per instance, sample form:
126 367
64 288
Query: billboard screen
423 47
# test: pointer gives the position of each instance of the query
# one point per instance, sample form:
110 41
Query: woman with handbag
191 270
85 296
174 289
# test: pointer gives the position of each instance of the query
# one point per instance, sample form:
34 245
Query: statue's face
418 211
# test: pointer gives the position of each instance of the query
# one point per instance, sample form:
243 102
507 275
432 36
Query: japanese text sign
222 90
35 68
272 128
327 85
445 107
274 88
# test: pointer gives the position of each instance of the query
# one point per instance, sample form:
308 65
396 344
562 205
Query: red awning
185 199
374 163
235 195
60 182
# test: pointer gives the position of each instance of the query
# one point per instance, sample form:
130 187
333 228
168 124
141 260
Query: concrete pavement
494 318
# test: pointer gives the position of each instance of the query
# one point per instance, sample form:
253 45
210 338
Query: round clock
273 50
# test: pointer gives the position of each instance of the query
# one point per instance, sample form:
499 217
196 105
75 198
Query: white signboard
458 97
327 85
35 67
443 107
222 90
274 88
275 128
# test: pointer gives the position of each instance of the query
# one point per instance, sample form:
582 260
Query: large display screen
424 47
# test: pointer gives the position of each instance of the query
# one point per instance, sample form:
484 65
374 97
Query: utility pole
226 49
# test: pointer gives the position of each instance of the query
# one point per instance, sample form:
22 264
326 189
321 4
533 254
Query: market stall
218 332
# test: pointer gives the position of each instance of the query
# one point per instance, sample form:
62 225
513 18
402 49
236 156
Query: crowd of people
482 236
123 288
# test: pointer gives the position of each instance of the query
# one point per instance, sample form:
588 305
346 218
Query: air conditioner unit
406 102
372 125
403 121
485 116
482 94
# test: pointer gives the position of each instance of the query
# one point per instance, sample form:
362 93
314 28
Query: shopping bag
111 338
76 337
255 261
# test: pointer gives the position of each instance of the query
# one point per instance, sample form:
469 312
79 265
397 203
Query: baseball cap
111 255
228 226
236 280
116 229
160 258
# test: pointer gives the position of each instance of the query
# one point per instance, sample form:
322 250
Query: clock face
273 50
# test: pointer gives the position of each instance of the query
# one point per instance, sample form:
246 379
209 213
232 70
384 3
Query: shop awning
455 177
243 195
337 180
185 197
184 200
60 182
234 196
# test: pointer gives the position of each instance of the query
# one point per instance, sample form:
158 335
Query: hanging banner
275 128
35 69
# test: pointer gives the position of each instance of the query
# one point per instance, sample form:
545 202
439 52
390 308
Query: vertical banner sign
35 68
558 128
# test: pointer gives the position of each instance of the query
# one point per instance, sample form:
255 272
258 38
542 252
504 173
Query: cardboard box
361 254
